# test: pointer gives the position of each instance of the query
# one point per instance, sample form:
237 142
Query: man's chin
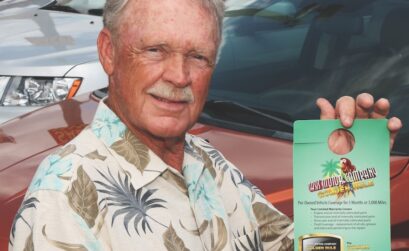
169 132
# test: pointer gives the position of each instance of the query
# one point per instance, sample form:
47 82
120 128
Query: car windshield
278 56
91 7
281 55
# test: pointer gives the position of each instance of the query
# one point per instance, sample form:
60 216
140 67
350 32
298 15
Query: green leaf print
208 164
271 223
221 234
29 203
197 231
100 221
29 246
63 245
133 204
251 242
172 241
95 155
217 157
175 180
66 150
287 244
83 197
132 150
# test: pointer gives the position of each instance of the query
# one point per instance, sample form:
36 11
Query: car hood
40 42
26 140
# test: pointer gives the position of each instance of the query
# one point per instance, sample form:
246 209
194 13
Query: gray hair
113 9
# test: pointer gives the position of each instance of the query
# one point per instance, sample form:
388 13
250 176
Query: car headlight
36 91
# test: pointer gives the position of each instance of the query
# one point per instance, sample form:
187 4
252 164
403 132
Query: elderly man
134 179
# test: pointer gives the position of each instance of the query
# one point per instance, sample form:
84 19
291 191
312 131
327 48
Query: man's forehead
163 6
141 12
169 24
183 44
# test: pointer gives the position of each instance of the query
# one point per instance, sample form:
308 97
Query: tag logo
342 179
320 242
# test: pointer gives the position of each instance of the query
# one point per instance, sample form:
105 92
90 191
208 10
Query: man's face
162 64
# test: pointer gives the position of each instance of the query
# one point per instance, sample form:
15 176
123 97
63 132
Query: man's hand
363 107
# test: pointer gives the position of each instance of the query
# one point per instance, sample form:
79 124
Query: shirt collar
106 125
144 166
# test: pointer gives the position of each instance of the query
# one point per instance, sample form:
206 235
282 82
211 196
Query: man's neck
170 150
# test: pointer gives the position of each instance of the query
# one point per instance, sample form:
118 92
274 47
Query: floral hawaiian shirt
105 190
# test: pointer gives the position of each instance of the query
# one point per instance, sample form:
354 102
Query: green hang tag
341 202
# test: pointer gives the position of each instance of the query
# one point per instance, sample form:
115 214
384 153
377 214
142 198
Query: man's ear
106 50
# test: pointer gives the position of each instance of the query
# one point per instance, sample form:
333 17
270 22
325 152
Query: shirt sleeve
276 229
46 222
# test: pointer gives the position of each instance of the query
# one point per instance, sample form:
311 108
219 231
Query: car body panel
9 112
29 128
400 198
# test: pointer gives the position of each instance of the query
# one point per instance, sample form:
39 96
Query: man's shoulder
205 150
56 170
199 141
197 144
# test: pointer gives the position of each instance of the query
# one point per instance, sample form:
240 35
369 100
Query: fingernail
348 122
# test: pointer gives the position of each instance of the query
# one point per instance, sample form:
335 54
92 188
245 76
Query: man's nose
177 70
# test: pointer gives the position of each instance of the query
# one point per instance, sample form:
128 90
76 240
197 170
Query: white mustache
169 92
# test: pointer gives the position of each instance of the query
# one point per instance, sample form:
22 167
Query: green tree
331 168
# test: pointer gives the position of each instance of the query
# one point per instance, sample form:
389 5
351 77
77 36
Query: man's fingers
381 109
394 125
364 104
345 110
327 110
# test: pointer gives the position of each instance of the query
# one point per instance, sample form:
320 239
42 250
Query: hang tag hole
341 141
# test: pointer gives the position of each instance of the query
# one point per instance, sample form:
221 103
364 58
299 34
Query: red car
277 57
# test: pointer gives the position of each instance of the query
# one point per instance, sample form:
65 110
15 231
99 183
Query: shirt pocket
248 242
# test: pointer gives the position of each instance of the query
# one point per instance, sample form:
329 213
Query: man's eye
154 49
155 53
200 59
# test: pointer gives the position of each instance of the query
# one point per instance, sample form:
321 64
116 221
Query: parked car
277 57
47 53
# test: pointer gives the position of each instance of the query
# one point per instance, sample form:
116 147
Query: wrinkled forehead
186 20
141 12
140 5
